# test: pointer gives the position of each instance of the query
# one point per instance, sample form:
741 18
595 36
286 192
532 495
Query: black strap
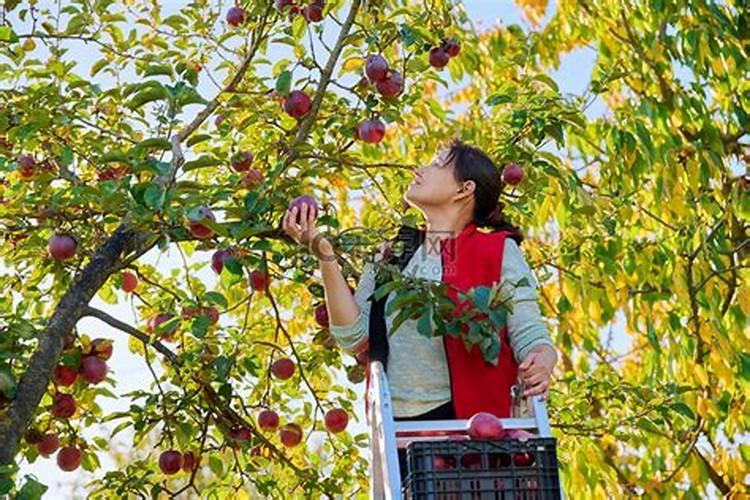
410 239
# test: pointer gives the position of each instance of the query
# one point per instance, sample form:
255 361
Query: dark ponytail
473 164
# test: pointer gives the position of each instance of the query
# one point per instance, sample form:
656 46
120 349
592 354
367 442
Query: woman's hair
472 164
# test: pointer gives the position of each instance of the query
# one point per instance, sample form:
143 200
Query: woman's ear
466 188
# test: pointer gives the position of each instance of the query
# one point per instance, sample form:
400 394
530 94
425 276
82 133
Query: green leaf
482 298
284 83
158 69
197 138
153 197
154 143
216 466
153 93
202 162
31 490
216 298
200 326
424 323
7 35
8 382
683 409
222 367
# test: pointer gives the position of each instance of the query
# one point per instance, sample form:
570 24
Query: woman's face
434 184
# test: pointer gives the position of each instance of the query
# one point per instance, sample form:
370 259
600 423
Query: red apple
26 166
391 86
523 459
235 16
102 348
218 258
129 281
268 420
48 445
211 312
93 370
305 199
444 462
376 68
69 458
239 433
281 5
291 435
154 322
241 161
188 461
282 368
485 425
471 461
62 247
321 315
33 436
452 47
512 174
297 104
371 131
64 375
252 178
313 13
439 57
64 406
170 462
336 420
259 281
197 225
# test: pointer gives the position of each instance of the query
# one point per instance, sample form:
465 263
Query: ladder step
448 427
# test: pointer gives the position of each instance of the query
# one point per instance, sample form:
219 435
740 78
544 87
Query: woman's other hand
300 225
536 370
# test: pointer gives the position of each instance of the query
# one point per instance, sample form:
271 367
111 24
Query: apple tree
191 130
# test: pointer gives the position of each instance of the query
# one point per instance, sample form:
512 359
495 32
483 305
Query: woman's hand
536 370
306 232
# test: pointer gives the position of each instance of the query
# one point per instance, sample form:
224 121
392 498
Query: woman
438 378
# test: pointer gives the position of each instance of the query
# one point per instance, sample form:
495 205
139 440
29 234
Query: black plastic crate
507 469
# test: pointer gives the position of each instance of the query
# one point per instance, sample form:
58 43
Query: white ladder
386 435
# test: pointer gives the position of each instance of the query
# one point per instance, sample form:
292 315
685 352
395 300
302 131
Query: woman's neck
440 228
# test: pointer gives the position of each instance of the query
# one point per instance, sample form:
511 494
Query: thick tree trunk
69 310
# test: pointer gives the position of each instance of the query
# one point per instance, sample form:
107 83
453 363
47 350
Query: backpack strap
410 238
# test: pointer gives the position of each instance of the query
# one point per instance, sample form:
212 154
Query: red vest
474 258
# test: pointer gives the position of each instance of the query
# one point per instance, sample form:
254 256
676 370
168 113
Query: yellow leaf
352 64
701 377
743 299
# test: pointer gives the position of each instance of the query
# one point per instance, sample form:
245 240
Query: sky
129 370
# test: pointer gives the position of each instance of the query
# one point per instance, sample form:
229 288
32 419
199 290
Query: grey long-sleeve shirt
417 367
